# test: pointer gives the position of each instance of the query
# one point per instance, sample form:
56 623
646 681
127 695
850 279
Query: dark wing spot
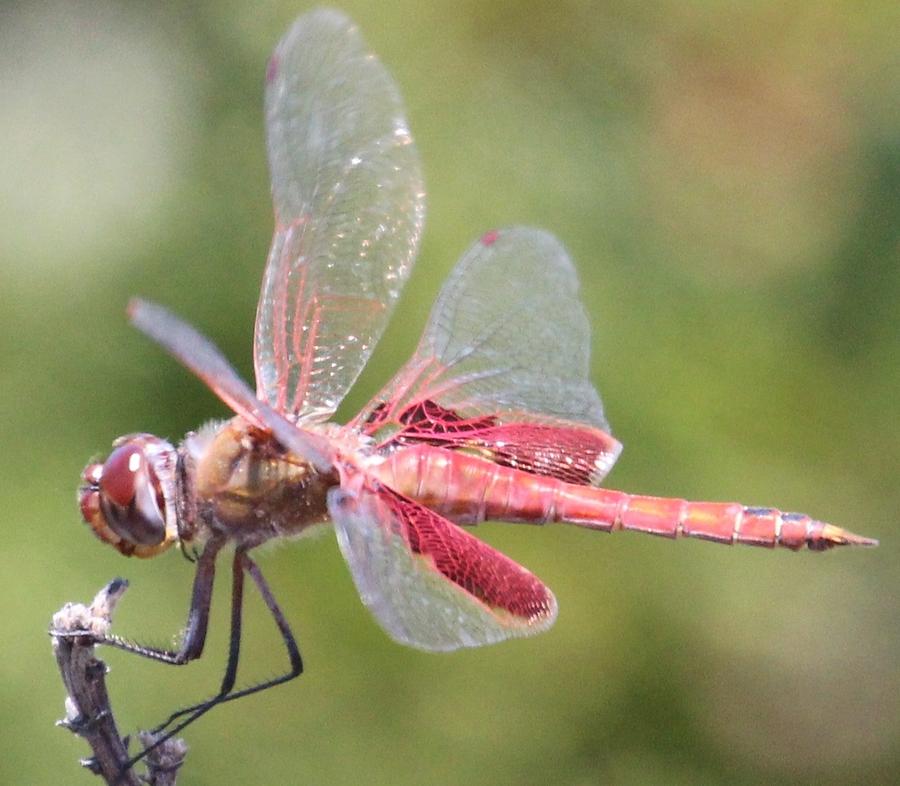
272 69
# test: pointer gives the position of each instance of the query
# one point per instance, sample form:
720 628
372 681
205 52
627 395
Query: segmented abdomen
468 489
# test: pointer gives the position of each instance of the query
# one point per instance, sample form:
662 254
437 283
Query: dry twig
76 629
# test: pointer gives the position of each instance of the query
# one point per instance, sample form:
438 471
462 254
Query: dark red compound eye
125 498
120 473
131 498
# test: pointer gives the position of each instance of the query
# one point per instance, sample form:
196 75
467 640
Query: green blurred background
726 176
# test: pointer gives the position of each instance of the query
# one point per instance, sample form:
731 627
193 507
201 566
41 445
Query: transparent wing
508 333
349 208
198 354
507 342
430 584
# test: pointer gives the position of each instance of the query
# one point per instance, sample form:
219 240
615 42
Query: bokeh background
726 176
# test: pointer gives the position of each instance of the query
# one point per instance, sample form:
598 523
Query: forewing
203 358
349 208
430 584
504 365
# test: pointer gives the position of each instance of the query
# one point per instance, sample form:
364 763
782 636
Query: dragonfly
494 417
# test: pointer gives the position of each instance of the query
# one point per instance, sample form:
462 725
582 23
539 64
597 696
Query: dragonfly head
129 499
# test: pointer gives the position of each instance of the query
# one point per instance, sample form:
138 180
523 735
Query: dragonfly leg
194 636
234 649
241 563
228 680
290 644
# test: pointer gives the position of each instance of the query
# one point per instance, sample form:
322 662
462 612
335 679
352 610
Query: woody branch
75 631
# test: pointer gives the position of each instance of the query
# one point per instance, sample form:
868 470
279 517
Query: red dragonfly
494 416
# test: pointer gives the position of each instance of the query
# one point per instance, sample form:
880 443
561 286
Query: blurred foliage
726 176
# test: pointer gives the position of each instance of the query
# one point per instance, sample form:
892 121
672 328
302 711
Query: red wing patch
429 583
482 571
572 453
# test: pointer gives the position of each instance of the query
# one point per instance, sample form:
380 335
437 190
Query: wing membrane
503 365
203 358
430 584
349 207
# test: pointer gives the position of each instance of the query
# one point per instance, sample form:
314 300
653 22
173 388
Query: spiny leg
234 649
194 637
241 562
287 636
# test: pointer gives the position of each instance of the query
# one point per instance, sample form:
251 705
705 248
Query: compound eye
131 497
118 480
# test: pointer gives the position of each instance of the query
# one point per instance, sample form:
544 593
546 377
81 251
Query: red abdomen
468 489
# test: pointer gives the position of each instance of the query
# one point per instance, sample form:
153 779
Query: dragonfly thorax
241 484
